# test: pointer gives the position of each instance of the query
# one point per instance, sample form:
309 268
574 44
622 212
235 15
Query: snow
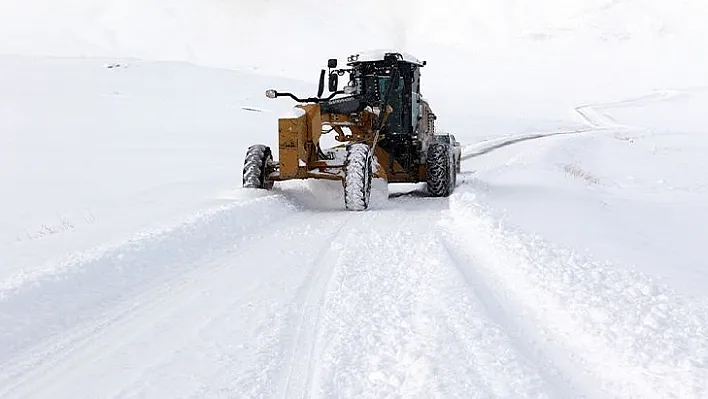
622 329
128 149
568 263
293 112
379 55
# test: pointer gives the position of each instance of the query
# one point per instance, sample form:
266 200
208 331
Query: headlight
271 93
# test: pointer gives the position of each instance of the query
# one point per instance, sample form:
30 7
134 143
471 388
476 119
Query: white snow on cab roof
378 55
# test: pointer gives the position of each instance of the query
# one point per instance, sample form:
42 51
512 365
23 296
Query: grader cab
385 127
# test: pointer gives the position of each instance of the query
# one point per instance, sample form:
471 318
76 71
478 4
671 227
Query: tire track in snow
398 322
486 147
560 373
594 116
103 339
591 114
48 364
310 300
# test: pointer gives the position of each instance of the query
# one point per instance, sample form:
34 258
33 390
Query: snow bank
637 337
46 300
597 235
632 194
92 154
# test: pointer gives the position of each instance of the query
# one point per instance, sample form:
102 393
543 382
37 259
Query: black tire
441 170
256 167
357 177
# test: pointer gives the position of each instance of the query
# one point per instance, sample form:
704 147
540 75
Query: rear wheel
441 170
357 177
256 167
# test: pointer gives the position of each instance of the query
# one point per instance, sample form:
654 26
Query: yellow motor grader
386 129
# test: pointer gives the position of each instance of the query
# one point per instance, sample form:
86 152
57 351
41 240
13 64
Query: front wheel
357 177
256 167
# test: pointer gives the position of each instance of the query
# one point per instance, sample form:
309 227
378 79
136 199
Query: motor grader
385 127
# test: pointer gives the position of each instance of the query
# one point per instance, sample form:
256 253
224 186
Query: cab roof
378 55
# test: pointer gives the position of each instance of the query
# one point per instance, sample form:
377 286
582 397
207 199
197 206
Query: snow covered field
92 154
569 262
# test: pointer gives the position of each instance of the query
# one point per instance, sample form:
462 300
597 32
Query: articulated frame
299 144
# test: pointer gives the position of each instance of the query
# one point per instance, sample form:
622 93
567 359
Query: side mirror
332 63
320 90
333 82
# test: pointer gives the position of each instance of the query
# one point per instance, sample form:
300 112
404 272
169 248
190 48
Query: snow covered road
418 297
324 303
539 277
569 263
